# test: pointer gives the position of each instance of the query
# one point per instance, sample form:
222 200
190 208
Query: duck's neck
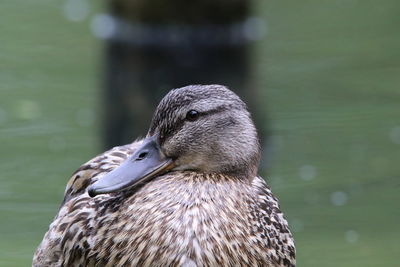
188 187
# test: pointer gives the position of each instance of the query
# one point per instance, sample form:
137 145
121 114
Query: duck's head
201 128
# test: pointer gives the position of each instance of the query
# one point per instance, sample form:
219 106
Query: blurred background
321 77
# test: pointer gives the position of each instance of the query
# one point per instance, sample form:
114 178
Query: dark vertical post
157 45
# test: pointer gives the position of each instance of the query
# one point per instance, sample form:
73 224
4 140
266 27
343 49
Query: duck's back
178 219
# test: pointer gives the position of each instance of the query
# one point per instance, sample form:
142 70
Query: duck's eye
192 115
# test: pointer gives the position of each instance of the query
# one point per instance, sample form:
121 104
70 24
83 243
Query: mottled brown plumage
204 210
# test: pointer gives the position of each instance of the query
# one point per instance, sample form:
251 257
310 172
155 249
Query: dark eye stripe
170 130
213 111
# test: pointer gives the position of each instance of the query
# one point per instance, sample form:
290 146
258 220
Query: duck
188 194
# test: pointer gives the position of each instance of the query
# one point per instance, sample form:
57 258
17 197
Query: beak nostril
142 155
91 192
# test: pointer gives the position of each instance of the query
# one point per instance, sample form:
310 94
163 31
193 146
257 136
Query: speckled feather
178 219
218 215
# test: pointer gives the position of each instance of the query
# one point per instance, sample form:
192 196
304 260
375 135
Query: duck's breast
179 219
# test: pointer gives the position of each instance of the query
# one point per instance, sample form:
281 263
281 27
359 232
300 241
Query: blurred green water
48 107
331 72
330 75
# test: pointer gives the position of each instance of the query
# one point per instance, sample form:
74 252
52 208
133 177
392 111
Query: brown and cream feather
185 217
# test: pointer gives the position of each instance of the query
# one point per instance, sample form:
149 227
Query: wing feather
92 170
76 204
271 227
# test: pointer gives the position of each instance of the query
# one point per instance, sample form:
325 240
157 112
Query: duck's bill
146 163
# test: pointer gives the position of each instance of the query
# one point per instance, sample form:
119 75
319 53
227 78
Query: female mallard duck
186 195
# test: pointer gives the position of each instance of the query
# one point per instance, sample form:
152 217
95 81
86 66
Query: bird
188 194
